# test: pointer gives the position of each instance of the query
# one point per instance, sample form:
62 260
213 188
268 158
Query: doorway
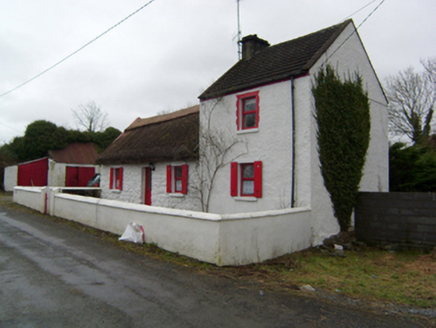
147 186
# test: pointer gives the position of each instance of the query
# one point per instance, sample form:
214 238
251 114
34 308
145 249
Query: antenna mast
239 34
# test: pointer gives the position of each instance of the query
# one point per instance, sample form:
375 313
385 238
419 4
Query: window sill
246 199
246 131
176 194
116 191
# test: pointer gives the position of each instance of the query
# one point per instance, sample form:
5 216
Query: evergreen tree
343 117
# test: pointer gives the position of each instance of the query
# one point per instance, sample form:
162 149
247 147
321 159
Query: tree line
42 136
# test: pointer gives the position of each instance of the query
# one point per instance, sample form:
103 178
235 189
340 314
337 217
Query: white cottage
251 146
265 102
153 162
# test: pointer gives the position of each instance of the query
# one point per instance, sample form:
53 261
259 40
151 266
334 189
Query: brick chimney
251 45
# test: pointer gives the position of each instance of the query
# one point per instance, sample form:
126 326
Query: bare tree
90 117
412 97
430 67
215 153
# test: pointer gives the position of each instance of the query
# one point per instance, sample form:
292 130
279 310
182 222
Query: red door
147 186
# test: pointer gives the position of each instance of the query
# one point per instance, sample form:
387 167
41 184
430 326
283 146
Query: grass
406 278
369 274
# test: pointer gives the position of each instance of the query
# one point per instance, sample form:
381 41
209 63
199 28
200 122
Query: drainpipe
293 142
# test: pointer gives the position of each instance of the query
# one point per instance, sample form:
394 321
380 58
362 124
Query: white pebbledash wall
272 142
133 186
235 239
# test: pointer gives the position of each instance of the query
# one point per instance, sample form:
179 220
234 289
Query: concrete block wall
407 219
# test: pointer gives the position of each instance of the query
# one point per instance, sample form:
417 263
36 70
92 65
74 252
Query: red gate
76 176
33 173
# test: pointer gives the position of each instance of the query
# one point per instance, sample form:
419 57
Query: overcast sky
164 56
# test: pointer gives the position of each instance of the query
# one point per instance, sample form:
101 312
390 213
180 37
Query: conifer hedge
343 118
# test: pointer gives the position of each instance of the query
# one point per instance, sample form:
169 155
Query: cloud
167 54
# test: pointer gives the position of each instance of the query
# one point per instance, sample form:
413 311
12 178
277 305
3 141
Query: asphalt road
52 275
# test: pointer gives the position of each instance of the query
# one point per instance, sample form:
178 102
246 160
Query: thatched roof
75 153
166 137
276 63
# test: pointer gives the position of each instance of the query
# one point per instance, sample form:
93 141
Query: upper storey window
247 111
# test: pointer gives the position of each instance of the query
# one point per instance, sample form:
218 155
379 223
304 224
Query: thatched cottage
152 160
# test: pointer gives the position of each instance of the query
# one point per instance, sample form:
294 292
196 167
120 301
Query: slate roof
276 63
75 153
168 137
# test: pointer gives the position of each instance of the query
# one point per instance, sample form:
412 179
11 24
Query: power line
10 127
349 16
75 52
351 34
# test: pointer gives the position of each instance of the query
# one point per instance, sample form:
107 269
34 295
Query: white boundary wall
10 177
232 239
33 197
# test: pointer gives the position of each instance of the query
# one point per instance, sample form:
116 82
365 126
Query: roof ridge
278 62
343 24
140 122
339 29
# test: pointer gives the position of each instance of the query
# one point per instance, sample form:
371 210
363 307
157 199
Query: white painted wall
235 239
11 177
32 197
56 174
271 143
263 235
133 186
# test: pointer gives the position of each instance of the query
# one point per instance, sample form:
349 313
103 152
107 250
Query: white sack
134 233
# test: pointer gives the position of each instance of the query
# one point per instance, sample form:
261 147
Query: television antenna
239 32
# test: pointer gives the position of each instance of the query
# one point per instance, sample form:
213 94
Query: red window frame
236 169
240 113
116 178
173 178
246 179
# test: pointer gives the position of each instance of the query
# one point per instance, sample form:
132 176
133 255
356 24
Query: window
116 178
247 111
177 179
246 179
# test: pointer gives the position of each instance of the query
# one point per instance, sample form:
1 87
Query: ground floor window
177 178
116 178
246 179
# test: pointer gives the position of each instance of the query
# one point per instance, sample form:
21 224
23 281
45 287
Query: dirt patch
425 264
